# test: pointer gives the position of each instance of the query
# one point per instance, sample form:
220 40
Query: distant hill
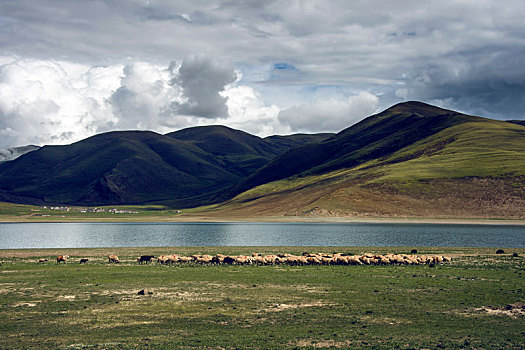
190 167
238 151
411 160
15 152
374 137
114 168
285 143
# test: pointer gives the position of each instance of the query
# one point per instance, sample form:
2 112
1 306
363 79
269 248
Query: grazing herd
281 259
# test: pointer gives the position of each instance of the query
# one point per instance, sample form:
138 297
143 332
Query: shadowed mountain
190 167
239 152
113 168
519 122
287 142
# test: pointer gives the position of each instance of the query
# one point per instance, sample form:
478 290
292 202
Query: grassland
461 304
471 170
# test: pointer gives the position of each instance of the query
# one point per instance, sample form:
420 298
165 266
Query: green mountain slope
375 136
411 160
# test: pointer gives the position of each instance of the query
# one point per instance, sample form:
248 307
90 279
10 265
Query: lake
91 235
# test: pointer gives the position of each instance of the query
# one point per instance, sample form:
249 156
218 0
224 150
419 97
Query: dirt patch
512 310
282 307
330 343
113 324
27 304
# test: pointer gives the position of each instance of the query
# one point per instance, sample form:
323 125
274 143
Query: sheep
354 260
327 260
260 260
218 259
185 259
203 259
62 258
297 260
365 260
242 260
172 259
313 260
229 260
270 259
84 261
163 259
112 258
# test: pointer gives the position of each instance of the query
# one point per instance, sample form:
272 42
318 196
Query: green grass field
457 305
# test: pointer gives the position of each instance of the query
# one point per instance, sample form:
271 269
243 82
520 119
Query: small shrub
515 255
500 251
413 251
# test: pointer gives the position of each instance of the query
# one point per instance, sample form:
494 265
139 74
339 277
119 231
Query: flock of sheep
276 259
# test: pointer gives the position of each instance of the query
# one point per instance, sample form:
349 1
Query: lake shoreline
271 219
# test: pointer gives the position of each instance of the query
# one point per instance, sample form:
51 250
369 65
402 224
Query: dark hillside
519 122
239 152
287 142
113 168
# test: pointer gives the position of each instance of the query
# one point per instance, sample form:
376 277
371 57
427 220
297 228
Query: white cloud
49 102
39 103
329 114
248 112
144 98
373 45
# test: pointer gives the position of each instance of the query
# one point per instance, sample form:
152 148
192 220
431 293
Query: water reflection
78 235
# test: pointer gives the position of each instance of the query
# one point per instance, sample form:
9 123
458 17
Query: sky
72 69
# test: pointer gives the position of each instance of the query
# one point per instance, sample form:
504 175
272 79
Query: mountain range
412 159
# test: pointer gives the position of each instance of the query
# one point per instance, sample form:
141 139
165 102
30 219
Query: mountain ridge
418 155
133 167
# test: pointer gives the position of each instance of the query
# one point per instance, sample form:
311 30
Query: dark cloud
202 79
489 82
464 55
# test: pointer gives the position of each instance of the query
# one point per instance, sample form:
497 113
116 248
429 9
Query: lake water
90 235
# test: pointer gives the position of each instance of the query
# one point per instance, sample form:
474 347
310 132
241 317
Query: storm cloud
202 79
70 69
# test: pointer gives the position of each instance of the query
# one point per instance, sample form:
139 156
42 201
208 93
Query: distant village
93 210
